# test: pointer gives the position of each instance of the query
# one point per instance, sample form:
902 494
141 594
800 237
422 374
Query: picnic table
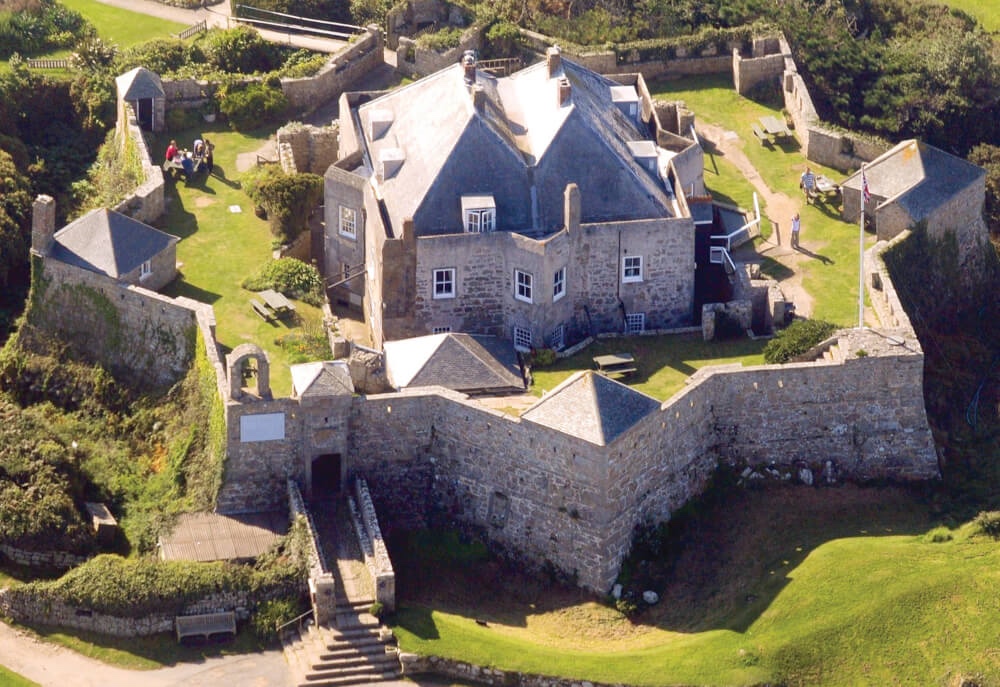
774 127
826 185
615 363
276 302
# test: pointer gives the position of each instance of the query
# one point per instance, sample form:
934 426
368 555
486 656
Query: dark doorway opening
145 113
325 474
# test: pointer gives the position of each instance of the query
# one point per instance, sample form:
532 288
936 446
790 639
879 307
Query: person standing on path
796 225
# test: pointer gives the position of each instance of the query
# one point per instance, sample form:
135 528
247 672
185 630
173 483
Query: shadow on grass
219 174
816 256
180 287
719 564
177 220
146 653
774 269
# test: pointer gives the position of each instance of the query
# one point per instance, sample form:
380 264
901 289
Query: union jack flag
865 193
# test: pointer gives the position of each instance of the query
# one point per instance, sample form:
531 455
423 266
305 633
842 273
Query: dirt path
779 210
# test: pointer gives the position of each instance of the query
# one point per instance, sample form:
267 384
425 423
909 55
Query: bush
241 50
796 339
988 523
289 200
542 357
627 607
248 106
291 277
272 614
440 41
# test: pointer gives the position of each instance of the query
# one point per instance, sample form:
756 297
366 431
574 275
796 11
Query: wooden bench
760 135
205 625
261 310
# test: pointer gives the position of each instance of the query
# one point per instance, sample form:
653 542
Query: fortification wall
145 203
132 331
413 60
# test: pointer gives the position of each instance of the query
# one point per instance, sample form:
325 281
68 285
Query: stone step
328 654
334 680
356 666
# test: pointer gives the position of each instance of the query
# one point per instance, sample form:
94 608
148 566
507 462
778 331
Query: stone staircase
356 649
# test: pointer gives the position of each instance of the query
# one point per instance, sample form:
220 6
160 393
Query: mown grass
123 27
11 679
220 248
986 12
832 587
831 278
663 362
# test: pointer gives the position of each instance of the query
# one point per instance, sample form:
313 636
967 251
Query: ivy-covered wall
138 335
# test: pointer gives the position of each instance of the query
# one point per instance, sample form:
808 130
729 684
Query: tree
988 156
15 220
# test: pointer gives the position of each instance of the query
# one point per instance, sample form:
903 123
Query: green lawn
832 277
986 11
123 27
878 608
664 362
11 679
220 248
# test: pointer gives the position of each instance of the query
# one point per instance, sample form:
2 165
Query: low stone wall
23 607
414 664
145 203
378 563
41 559
740 310
414 61
307 148
319 579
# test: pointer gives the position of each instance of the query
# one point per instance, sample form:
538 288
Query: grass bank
785 585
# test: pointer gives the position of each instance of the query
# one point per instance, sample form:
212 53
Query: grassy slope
9 679
986 11
795 605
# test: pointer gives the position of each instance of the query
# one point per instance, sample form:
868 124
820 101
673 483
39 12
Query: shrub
988 523
289 200
627 607
272 614
939 535
796 339
542 357
247 106
291 277
240 50
440 41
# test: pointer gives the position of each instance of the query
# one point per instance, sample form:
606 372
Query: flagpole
861 253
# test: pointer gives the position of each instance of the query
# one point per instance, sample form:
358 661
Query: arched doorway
325 475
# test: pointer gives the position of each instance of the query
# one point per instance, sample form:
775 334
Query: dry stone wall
41 559
145 203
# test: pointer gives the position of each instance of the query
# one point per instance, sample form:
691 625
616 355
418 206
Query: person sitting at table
198 148
188 164
172 151
807 182
207 161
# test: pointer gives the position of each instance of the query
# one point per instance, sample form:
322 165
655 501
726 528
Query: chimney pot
564 90
553 60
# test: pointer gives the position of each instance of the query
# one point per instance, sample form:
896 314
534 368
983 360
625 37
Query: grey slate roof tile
139 83
462 362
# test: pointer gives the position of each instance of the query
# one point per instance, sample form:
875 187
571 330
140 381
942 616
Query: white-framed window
441 330
557 339
444 282
348 222
522 339
522 286
631 268
145 269
479 213
480 221
559 284
635 322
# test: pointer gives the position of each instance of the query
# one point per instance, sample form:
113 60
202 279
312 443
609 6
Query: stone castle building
542 207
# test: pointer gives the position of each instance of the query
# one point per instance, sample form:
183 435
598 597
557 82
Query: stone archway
238 370
325 473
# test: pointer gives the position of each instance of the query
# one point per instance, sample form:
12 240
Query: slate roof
140 83
109 243
920 176
321 379
462 362
592 407
521 140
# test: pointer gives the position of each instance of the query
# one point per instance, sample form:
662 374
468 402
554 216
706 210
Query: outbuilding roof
138 84
321 379
109 243
592 407
463 362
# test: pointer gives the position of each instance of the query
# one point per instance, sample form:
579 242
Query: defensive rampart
145 203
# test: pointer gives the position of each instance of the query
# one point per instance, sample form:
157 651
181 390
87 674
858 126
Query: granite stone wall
41 559
130 330
145 203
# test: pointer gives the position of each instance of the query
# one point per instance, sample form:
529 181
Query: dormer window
479 214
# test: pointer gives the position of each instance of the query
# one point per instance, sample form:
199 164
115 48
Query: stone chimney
571 207
478 97
43 224
469 65
553 60
565 90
